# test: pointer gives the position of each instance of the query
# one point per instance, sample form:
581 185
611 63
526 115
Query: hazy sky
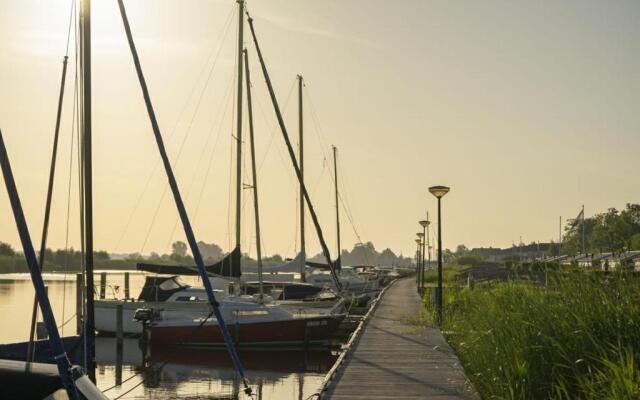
526 109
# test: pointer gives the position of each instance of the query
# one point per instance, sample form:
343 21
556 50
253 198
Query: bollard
126 286
103 284
79 308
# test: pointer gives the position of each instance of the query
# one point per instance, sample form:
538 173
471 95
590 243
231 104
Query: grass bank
578 337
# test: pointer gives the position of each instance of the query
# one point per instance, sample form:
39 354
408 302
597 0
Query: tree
6 250
634 242
179 249
461 249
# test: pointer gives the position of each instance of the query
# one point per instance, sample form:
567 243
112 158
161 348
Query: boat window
188 298
171 284
251 312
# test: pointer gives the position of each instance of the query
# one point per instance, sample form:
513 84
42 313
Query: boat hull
293 332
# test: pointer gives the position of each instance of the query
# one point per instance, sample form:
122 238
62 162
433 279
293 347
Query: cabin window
246 313
188 298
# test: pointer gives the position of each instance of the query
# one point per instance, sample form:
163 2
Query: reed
578 337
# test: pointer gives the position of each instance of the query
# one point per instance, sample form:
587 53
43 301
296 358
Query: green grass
576 338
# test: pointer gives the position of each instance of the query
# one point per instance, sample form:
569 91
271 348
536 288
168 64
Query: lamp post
439 192
418 244
424 224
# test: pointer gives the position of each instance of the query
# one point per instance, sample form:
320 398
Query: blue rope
188 230
64 366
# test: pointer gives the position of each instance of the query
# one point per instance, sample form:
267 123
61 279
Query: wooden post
103 284
79 308
126 286
119 328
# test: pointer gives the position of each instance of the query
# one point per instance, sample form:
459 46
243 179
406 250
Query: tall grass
576 338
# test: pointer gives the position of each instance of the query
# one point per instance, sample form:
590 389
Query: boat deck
395 359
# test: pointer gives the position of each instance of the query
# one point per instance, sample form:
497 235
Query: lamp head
420 235
424 223
439 191
418 241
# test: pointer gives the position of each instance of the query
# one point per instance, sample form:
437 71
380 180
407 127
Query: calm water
170 373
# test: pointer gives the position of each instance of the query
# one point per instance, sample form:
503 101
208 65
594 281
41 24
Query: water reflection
165 372
179 372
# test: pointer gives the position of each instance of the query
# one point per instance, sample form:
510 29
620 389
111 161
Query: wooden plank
395 359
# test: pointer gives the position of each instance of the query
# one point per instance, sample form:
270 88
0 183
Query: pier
389 357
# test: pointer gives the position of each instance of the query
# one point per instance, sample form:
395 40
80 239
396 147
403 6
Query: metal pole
335 180
239 125
584 249
126 286
47 208
424 232
88 181
428 242
439 295
303 277
254 173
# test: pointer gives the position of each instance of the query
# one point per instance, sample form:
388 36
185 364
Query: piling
119 327
103 284
126 286
119 339
79 308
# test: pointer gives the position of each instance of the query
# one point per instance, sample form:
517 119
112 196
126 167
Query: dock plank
394 359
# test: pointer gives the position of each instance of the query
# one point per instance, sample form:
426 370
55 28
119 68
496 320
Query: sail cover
228 267
294 265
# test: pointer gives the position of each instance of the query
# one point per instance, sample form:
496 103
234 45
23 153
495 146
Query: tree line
70 260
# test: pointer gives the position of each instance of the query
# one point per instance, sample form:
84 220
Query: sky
527 110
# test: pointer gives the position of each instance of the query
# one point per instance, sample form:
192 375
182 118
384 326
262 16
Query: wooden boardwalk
394 359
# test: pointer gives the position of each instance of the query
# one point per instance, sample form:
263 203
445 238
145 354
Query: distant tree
461 250
210 250
6 249
179 249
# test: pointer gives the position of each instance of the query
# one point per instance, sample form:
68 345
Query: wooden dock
391 358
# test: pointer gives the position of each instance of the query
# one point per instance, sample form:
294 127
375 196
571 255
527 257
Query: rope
173 131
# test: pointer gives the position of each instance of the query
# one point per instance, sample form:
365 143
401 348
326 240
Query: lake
176 373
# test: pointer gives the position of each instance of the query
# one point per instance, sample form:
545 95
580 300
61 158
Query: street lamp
420 261
418 243
439 192
425 225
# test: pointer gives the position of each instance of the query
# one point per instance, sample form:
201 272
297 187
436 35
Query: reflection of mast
87 182
335 181
303 277
239 124
253 170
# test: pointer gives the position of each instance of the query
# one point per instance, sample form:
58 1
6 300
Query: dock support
126 286
119 338
119 327
103 284
79 309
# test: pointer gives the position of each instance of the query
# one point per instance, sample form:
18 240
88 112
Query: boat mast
253 171
184 218
292 156
303 278
239 125
47 207
87 174
338 262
